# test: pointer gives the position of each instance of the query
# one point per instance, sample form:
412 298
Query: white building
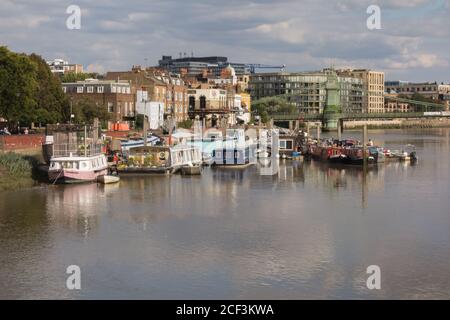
153 110
60 66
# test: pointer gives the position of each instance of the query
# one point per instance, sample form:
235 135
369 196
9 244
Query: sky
412 44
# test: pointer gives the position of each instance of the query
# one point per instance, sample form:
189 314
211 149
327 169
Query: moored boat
159 159
76 156
108 179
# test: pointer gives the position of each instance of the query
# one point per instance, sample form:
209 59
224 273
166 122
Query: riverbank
18 170
399 124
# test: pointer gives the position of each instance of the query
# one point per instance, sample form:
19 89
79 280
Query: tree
186 124
49 95
267 106
28 90
74 77
86 111
18 86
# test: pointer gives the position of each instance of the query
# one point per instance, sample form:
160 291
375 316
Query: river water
310 231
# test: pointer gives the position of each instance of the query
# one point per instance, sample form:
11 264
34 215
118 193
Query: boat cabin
160 158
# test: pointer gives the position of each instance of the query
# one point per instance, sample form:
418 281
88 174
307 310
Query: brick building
116 96
161 87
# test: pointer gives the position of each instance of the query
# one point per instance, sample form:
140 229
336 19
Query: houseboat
77 156
126 145
407 153
243 156
235 151
159 159
346 155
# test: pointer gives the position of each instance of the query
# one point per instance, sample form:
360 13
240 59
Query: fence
21 142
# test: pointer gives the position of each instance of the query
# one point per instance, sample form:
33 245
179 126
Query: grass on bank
16 171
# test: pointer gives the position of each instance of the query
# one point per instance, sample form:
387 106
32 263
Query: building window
110 107
202 102
100 89
191 102
80 89
90 89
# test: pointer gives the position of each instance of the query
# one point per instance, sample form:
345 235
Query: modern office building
196 65
308 89
373 86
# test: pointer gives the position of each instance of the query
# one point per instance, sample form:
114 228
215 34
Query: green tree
86 111
18 86
74 77
52 104
186 124
267 106
29 92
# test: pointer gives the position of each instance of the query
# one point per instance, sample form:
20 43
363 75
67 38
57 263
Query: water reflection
308 231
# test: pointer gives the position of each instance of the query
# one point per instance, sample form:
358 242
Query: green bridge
349 116
333 120
332 117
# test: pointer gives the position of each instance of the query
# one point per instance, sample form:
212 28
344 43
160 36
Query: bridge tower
333 110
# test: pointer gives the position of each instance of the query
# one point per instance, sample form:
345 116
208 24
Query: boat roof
75 158
161 148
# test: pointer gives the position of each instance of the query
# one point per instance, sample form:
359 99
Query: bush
186 124
15 164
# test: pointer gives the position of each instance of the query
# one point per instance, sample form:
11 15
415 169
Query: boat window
175 157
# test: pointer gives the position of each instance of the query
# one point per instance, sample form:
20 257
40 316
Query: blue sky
413 43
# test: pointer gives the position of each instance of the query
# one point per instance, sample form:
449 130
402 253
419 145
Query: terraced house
162 89
116 96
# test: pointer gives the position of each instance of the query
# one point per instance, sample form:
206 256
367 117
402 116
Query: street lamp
71 111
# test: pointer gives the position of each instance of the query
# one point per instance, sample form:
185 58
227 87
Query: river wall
399 123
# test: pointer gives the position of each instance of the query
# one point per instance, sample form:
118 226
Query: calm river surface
309 232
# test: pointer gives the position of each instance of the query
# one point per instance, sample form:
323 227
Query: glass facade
307 90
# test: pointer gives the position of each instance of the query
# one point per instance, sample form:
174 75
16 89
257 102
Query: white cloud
25 21
420 60
304 35
288 31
